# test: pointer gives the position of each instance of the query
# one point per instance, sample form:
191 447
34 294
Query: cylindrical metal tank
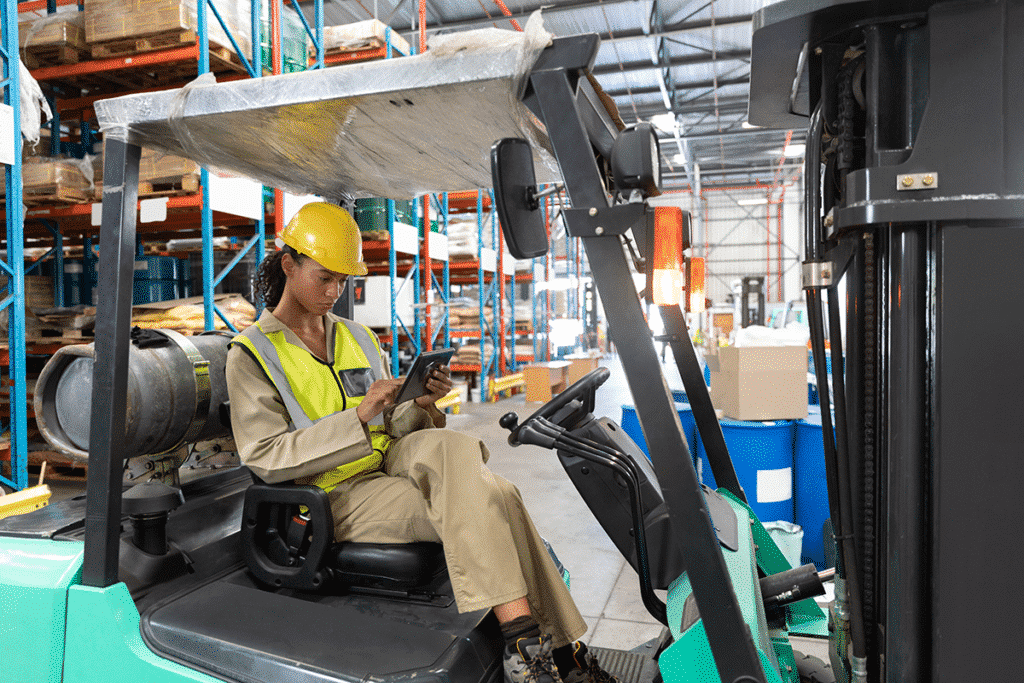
176 387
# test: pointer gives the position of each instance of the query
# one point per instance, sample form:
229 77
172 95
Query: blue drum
811 501
762 453
631 425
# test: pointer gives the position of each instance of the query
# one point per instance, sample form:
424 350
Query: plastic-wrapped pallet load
48 34
109 20
65 180
360 36
426 119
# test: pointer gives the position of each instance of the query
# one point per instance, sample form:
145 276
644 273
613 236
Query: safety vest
313 389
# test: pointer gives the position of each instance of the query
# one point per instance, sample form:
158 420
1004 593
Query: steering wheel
587 385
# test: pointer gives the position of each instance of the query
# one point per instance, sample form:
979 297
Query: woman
312 401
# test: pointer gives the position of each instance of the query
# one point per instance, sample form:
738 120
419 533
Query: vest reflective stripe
319 389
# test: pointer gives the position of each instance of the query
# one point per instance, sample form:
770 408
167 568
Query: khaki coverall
433 486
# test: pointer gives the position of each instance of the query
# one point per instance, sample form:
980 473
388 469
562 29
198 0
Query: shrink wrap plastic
393 128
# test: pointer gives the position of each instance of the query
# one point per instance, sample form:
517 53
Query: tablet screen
415 381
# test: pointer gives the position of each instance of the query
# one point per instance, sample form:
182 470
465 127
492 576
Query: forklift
212 581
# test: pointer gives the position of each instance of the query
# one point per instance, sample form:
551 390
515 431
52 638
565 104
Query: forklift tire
812 669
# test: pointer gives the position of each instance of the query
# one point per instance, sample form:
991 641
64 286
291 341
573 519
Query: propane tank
176 388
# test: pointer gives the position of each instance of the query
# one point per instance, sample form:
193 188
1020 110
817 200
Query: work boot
529 660
587 668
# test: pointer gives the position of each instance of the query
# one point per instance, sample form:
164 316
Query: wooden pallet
221 58
170 187
125 47
57 193
59 467
52 55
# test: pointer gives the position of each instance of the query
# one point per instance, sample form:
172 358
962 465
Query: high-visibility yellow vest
313 389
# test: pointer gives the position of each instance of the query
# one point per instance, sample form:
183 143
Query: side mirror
515 196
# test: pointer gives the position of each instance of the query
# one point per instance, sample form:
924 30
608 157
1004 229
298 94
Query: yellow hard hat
329 235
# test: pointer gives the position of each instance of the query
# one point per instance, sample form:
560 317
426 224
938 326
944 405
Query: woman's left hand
438 384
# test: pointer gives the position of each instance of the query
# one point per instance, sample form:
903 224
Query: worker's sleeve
259 421
408 417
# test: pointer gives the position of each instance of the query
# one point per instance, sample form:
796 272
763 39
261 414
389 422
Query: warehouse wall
733 237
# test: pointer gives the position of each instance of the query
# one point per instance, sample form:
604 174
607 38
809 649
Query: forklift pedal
628 667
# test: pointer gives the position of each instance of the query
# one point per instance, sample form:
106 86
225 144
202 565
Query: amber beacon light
695 286
667 265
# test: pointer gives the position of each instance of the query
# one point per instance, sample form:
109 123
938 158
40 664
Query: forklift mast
915 195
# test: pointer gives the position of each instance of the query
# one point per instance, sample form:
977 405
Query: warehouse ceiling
681 64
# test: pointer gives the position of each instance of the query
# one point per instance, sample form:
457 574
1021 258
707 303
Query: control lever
509 421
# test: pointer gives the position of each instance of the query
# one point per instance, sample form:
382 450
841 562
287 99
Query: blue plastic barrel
762 453
631 425
811 500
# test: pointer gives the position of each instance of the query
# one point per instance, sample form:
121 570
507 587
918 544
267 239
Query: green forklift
208 578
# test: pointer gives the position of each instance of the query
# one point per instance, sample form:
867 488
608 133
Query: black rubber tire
812 669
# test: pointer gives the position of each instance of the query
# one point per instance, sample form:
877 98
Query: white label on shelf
294 202
775 486
508 265
407 238
153 210
538 272
237 196
524 264
97 214
489 260
438 246
7 145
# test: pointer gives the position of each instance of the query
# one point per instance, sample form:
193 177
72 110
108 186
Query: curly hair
270 277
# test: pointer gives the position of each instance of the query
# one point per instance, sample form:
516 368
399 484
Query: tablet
415 381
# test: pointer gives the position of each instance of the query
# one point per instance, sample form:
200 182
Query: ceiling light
752 202
665 122
795 149
678 159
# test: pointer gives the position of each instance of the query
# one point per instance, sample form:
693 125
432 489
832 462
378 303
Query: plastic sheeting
394 128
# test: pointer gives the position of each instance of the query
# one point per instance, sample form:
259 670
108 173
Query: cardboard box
544 380
759 382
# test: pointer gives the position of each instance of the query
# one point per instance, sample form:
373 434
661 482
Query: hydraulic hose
836 459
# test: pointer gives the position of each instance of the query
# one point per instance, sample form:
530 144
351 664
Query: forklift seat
288 542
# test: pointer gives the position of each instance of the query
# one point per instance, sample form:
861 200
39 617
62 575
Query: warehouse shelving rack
14 264
61 222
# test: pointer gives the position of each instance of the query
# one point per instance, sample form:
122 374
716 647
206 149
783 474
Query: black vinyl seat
288 542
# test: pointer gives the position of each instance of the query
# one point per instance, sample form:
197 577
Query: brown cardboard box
760 382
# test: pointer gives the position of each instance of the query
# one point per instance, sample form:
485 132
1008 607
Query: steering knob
509 421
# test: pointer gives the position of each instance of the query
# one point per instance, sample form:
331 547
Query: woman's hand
379 398
438 384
